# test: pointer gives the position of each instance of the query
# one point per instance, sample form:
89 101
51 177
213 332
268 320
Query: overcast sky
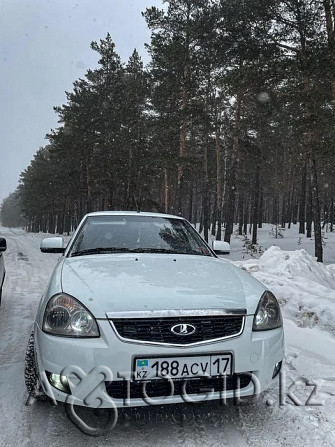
44 48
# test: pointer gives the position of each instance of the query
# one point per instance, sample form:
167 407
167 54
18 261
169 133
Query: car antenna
137 205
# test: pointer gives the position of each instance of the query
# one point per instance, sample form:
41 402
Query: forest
230 122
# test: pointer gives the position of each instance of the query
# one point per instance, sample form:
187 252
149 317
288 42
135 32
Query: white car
3 247
140 310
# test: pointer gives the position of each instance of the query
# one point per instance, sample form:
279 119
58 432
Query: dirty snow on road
281 417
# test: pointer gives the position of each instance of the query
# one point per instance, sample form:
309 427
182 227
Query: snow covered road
310 357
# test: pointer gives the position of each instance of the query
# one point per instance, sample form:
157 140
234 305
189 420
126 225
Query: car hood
145 282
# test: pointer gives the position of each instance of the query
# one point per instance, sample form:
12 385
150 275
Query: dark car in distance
3 247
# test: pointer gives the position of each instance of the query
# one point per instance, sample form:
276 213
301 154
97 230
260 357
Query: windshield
143 234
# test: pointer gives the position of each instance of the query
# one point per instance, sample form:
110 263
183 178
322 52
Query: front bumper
91 364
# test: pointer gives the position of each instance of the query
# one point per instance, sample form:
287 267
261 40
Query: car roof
133 213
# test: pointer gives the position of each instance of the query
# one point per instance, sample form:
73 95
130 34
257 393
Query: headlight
268 314
65 316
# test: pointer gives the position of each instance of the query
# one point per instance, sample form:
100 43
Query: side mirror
52 245
221 247
3 244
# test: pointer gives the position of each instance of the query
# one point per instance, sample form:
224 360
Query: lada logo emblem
183 329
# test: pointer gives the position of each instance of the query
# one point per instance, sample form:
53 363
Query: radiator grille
158 330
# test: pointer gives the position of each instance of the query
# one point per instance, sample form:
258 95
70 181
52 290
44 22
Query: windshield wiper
92 251
168 250
155 250
104 250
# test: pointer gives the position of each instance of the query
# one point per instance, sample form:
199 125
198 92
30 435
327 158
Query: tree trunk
261 211
302 202
214 217
316 213
255 206
329 15
190 202
166 191
88 188
245 218
331 213
240 214
309 216
183 130
232 183
218 205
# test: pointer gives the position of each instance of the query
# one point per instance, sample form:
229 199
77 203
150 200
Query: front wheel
30 372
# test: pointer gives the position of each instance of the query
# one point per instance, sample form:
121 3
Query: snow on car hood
127 282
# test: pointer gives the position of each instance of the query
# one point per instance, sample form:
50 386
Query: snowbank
304 287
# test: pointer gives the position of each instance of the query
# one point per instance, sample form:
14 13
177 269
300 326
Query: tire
30 374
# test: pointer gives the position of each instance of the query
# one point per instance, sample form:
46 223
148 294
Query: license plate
148 368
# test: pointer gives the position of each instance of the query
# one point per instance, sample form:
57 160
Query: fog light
59 382
277 369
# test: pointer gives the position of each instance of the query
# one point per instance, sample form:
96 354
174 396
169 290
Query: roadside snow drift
304 287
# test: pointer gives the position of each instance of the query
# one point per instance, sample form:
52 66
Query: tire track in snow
27 273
